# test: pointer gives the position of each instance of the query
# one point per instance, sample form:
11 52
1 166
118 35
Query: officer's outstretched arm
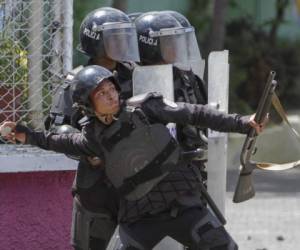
8 131
73 144
204 116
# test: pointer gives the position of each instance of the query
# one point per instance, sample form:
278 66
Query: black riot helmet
166 37
85 81
108 32
179 17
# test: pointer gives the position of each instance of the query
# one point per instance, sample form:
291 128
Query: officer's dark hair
149 47
85 81
91 42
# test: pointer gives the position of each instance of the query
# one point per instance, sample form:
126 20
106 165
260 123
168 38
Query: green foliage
13 62
252 56
255 49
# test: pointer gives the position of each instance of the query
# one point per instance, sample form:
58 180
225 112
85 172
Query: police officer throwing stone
159 193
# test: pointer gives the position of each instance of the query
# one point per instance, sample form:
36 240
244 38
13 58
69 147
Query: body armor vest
137 154
189 88
181 181
179 186
61 109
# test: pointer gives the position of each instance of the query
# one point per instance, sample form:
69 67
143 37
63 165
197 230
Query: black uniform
190 88
93 195
105 33
91 188
173 206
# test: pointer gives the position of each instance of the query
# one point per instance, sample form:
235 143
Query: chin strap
106 118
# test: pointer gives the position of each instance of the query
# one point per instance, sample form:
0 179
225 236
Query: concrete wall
35 210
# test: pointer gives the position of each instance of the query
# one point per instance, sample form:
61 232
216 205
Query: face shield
173 44
193 49
120 41
197 64
179 46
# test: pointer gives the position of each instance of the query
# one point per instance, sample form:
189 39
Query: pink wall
35 210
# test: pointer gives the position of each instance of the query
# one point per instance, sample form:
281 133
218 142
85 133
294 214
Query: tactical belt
152 170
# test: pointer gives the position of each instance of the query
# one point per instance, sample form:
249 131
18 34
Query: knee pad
209 234
97 244
86 224
102 228
128 242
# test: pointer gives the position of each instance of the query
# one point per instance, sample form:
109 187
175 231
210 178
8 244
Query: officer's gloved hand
258 127
9 131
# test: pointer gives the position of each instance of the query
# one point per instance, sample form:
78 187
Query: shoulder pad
138 100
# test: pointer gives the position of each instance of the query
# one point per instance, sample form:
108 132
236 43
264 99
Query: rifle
244 188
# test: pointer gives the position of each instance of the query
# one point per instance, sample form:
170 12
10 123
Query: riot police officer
108 37
168 37
143 161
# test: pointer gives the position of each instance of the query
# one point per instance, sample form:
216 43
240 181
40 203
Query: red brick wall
35 210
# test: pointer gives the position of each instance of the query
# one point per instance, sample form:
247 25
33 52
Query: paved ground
271 220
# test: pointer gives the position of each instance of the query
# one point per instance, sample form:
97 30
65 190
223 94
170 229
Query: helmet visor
120 42
192 46
196 63
173 44
178 46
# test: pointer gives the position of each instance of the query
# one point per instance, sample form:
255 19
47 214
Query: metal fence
35 53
